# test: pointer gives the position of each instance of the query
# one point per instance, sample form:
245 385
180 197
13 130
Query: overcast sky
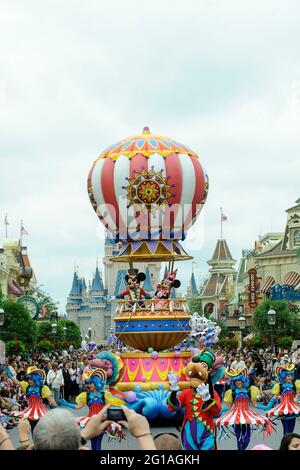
77 76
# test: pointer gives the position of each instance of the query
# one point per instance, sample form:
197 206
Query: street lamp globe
271 316
1 316
54 328
242 322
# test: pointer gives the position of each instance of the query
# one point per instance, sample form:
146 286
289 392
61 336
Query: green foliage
18 323
1 296
44 298
15 347
228 343
284 342
287 322
45 346
195 304
72 334
59 339
258 341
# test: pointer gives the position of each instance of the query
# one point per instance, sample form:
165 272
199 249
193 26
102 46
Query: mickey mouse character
134 291
163 290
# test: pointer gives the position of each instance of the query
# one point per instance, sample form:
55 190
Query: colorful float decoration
148 191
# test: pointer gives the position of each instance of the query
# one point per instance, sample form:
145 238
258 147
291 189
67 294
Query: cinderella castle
92 308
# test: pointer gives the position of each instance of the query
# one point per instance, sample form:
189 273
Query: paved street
227 444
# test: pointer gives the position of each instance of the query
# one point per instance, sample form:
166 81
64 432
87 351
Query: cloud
221 77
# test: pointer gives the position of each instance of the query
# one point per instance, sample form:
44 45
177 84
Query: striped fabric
287 406
188 182
291 279
241 414
269 282
35 410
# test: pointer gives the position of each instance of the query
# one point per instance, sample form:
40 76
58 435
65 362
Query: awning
14 288
292 279
249 337
269 282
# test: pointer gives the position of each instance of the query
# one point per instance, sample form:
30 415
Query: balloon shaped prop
141 187
130 396
203 330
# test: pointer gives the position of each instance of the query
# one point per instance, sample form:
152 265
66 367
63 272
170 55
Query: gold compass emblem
148 188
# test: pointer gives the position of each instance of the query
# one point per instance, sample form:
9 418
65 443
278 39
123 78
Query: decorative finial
146 130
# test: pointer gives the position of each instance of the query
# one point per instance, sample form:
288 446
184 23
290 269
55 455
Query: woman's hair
57 430
287 439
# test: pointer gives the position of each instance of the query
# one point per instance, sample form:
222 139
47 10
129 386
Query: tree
15 347
45 346
60 339
18 324
73 335
195 304
43 298
287 322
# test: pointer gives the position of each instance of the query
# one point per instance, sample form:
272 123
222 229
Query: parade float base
147 376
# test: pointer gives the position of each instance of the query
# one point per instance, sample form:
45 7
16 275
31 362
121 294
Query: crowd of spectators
64 371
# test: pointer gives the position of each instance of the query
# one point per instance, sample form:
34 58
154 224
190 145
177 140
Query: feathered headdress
282 370
37 375
238 374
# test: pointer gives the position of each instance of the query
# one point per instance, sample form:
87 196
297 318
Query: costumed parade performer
285 390
200 401
36 391
163 290
134 291
98 380
238 415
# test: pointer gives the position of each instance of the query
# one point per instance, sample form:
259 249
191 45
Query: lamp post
54 328
271 315
65 331
90 333
242 326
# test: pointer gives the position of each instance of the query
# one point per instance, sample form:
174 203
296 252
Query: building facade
218 288
16 273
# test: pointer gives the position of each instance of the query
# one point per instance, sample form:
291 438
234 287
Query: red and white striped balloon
185 188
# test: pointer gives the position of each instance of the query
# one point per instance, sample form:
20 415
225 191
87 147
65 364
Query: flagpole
6 223
221 224
21 232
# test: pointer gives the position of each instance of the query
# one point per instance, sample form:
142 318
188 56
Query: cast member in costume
201 403
94 398
286 408
134 291
238 415
35 391
163 290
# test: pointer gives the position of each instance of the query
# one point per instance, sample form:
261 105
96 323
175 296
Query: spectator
290 441
238 363
167 441
55 381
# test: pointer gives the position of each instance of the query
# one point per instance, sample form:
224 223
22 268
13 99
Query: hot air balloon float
148 191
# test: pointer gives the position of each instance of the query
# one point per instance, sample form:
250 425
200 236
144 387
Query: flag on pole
223 217
23 230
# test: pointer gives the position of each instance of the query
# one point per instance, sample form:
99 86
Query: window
297 237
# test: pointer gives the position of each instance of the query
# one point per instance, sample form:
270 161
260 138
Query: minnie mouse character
163 290
134 291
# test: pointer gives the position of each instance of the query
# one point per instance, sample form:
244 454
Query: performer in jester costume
35 391
200 401
284 391
238 415
94 398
